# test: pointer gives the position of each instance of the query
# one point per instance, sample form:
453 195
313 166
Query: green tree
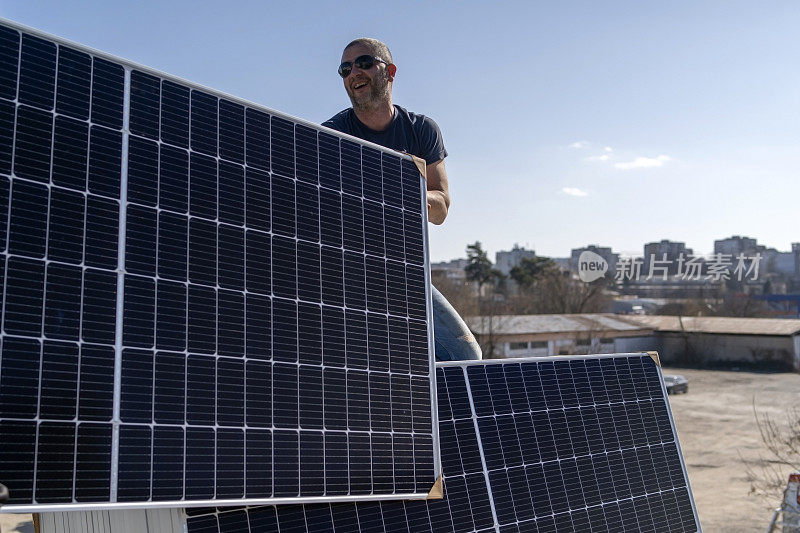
479 267
530 270
480 271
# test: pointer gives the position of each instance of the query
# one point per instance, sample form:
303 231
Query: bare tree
781 439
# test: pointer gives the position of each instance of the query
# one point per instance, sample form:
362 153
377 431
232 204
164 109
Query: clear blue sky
568 123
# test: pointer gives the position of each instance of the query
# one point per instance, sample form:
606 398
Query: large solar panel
204 300
553 444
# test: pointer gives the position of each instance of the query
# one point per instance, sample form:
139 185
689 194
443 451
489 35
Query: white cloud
643 162
574 191
579 144
608 149
603 157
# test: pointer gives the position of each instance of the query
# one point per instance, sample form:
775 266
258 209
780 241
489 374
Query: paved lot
715 427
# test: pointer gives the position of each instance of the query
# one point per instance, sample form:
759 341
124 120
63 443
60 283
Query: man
368 72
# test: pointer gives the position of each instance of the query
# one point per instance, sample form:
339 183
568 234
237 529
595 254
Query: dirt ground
716 429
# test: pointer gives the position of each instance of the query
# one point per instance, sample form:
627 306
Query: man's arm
438 192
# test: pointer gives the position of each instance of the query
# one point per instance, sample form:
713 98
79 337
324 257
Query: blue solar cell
105 161
284 333
309 272
353 223
351 168
204 118
102 223
311 397
231 195
285 450
355 280
173 188
202 186
55 462
70 153
307 212
230 463
174 114
231 131
258 320
134 466
9 61
230 323
145 104
230 392
307 154
59 374
284 395
32 151
330 216
257 145
371 165
282 147
399 355
93 462
309 333
199 462
108 80
169 388
62 310
7 111
258 463
136 404
312 463
37 72
329 162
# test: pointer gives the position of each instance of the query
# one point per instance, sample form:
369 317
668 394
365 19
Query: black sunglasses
364 62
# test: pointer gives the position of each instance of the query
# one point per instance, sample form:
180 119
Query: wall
778 352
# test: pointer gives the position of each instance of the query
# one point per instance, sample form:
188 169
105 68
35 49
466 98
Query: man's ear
391 69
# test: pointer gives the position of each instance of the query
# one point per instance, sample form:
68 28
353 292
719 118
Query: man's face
366 88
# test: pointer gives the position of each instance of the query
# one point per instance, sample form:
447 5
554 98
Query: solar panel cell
9 62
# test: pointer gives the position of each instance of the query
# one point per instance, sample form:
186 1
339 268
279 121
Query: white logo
591 266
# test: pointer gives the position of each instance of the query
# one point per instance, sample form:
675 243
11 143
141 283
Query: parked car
676 384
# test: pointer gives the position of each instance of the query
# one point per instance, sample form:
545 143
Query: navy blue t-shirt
408 132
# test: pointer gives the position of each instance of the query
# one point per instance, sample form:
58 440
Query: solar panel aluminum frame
653 355
128 67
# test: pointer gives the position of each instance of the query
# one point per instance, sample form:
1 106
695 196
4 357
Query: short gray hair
377 47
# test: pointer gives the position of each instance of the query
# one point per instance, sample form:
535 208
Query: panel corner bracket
654 356
421 165
437 492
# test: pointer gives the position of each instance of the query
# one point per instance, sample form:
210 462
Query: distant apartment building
663 257
796 252
772 261
606 253
453 269
779 262
736 245
504 260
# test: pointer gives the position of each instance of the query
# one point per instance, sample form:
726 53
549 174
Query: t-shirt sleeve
431 142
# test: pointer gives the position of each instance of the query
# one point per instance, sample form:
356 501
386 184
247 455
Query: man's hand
438 192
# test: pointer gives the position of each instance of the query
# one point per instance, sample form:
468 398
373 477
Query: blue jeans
452 339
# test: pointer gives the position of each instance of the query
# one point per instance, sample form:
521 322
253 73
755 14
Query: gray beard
378 94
